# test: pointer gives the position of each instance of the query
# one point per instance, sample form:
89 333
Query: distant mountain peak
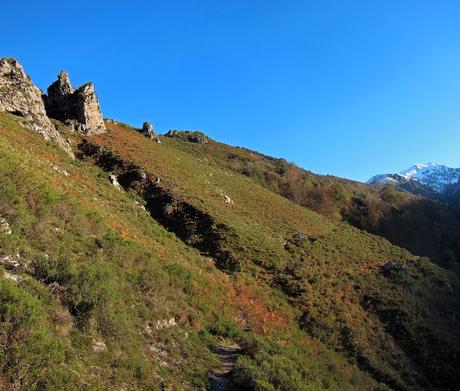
417 167
422 178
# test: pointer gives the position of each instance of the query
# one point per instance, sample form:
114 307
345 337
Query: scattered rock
147 328
99 346
188 135
142 175
164 323
60 170
138 204
148 129
10 262
299 239
56 289
19 96
227 199
159 325
160 354
79 108
393 268
5 228
114 181
12 277
158 349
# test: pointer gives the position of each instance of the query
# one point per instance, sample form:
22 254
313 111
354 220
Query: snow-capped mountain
430 179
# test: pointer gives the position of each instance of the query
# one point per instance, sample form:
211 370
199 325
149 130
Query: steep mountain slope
348 293
423 226
138 265
95 294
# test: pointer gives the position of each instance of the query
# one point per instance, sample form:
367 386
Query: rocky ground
221 380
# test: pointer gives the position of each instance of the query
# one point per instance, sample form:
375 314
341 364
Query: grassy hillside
332 273
98 282
423 226
131 288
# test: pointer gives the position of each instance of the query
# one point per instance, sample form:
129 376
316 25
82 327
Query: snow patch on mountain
383 179
435 176
417 168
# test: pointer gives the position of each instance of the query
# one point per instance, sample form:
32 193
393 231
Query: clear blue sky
348 88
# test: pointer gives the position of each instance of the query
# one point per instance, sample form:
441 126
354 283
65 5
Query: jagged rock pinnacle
64 83
147 129
19 96
79 108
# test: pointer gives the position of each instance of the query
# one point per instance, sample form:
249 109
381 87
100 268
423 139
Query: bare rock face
19 96
148 130
57 101
79 108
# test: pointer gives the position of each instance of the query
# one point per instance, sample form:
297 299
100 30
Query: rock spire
19 96
78 107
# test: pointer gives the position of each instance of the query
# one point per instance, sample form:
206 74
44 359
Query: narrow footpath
222 378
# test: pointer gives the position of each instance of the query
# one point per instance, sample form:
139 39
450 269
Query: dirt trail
221 379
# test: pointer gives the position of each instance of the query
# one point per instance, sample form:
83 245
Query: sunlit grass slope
423 226
396 325
105 298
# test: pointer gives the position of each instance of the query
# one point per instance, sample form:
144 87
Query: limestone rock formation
56 101
114 181
5 228
79 108
19 96
10 262
99 346
148 130
192 136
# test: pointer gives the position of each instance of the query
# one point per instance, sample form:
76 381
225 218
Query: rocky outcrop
391 268
57 99
10 261
5 228
99 346
148 129
193 226
78 108
114 181
188 135
19 96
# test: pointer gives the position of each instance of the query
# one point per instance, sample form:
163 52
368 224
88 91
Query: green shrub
31 355
223 327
